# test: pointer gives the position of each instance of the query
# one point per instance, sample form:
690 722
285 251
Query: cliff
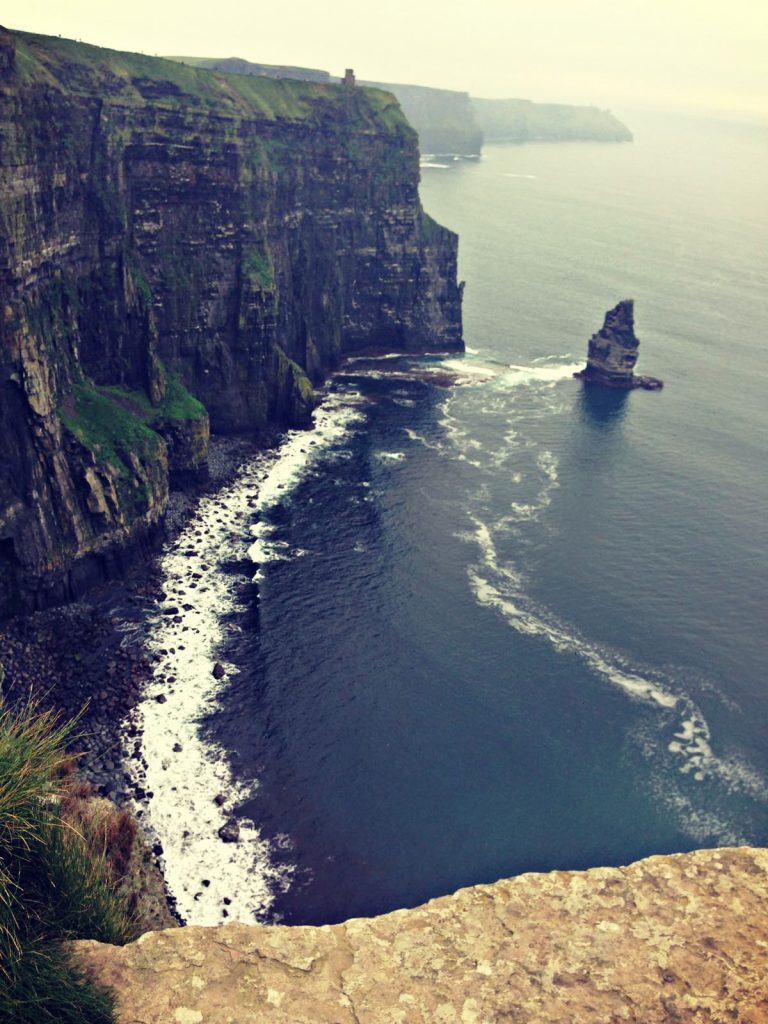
681 938
180 247
238 66
443 118
451 122
524 121
612 352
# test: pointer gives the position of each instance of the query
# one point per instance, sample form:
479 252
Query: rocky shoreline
87 659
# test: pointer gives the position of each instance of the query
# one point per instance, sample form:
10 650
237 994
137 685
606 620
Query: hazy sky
697 55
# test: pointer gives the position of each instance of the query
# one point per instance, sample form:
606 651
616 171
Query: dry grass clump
56 879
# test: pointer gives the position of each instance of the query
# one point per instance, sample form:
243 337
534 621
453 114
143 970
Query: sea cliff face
453 122
517 120
181 248
444 118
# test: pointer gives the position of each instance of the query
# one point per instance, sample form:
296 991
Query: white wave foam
540 374
509 174
332 422
501 587
185 772
391 456
422 440
467 368
375 358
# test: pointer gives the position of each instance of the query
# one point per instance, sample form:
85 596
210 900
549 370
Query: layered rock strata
613 351
168 232
681 938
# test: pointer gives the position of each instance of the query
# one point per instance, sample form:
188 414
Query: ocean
482 619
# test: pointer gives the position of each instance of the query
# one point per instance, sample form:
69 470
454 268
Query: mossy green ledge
182 250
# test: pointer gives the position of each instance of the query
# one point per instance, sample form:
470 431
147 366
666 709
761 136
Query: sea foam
191 791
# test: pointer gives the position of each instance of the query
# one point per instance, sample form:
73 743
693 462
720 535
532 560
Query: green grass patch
55 882
258 267
107 428
178 403
136 79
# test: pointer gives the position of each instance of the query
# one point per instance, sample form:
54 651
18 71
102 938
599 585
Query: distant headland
451 122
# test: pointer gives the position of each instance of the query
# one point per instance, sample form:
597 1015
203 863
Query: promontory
183 250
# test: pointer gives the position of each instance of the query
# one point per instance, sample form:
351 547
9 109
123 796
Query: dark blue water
520 625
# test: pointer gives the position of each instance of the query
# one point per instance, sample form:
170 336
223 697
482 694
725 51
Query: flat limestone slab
668 939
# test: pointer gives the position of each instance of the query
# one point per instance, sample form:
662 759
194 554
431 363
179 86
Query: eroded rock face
167 232
678 938
613 352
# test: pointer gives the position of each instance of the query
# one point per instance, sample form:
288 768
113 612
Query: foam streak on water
501 587
682 744
193 791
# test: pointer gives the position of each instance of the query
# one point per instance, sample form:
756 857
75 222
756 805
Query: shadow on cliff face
601 407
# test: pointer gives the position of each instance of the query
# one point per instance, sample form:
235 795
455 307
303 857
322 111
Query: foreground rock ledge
676 938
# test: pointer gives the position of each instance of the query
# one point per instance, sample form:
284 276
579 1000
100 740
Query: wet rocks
613 352
218 671
229 831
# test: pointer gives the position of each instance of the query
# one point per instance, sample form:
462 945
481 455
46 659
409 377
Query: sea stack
612 352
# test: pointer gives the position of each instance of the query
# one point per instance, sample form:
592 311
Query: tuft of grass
56 882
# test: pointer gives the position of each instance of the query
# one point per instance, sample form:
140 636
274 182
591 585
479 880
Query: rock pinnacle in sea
613 352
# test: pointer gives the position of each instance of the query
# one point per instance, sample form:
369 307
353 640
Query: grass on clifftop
136 79
55 882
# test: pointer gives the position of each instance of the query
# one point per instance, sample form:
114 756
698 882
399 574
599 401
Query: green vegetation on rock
137 80
259 268
178 403
55 881
108 429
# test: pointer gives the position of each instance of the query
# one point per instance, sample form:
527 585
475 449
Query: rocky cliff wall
168 232
681 938
516 120
444 118
453 122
